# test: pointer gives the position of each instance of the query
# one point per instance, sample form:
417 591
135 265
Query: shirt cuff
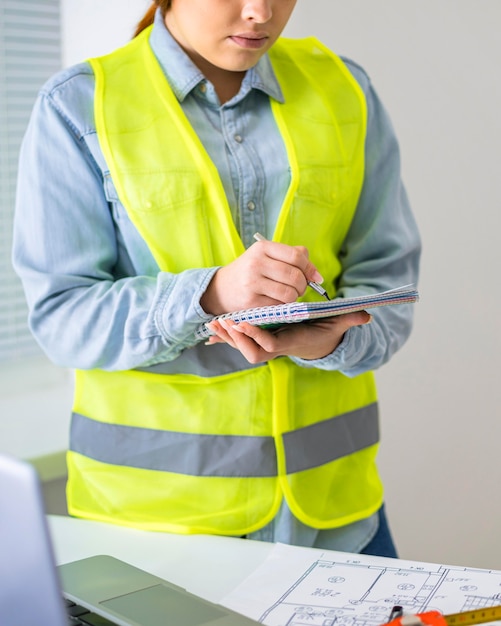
179 313
332 361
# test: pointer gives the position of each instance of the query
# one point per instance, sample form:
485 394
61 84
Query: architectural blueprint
310 587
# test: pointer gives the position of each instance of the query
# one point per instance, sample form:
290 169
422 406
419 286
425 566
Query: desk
207 565
211 567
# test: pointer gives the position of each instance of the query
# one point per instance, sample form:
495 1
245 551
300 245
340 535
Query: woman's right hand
267 273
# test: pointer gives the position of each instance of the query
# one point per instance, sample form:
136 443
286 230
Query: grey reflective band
330 440
224 455
168 451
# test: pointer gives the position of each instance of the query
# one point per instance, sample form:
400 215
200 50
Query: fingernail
317 277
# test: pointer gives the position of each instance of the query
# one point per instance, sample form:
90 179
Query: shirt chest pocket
111 194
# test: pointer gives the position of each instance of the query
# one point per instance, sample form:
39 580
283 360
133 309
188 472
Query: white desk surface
212 567
207 565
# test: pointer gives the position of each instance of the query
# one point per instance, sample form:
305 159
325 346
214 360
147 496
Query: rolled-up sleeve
91 304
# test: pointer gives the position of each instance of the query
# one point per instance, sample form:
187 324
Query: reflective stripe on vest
224 455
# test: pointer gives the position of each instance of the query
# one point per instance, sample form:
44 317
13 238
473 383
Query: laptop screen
29 589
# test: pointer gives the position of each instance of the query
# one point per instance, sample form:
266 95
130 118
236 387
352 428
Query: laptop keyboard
80 616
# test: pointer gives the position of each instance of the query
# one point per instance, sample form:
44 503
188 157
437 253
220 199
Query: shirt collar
184 76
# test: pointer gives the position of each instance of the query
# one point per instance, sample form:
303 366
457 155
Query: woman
144 176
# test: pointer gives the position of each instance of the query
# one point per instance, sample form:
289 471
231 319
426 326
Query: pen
318 288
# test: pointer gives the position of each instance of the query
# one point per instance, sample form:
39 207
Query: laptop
96 591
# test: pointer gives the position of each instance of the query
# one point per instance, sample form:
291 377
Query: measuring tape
478 616
435 618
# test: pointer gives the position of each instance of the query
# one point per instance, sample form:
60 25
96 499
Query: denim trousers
382 543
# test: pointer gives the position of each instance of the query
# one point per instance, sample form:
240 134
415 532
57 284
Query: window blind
30 52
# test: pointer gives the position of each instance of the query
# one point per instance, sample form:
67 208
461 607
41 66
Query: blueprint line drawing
353 594
352 591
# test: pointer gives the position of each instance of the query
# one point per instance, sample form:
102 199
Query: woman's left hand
306 340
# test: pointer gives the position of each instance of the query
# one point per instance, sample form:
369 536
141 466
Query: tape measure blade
477 616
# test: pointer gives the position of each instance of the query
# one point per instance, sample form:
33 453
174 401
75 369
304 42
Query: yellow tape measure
435 618
478 616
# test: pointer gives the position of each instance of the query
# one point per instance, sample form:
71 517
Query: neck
228 88
226 83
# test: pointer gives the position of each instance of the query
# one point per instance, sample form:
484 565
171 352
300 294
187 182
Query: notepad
295 312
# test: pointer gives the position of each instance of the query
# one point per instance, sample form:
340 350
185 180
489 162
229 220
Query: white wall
35 404
92 27
436 66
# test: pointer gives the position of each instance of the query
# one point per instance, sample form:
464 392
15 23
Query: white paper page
304 586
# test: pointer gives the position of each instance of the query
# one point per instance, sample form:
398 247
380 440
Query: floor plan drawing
356 590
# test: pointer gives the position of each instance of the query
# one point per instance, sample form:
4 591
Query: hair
149 16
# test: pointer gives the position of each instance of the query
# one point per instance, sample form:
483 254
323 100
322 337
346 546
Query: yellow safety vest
206 444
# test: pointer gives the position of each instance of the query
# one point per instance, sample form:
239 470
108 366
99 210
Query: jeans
382 542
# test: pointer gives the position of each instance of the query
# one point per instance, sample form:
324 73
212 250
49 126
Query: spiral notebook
294 312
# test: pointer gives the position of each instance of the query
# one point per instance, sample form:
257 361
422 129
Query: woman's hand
265 274
306 340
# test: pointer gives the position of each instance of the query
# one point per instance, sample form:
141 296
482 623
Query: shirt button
203 87
238 138
251 205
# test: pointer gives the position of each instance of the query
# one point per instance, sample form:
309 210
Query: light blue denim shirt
96 296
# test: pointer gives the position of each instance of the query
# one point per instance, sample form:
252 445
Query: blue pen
318 288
